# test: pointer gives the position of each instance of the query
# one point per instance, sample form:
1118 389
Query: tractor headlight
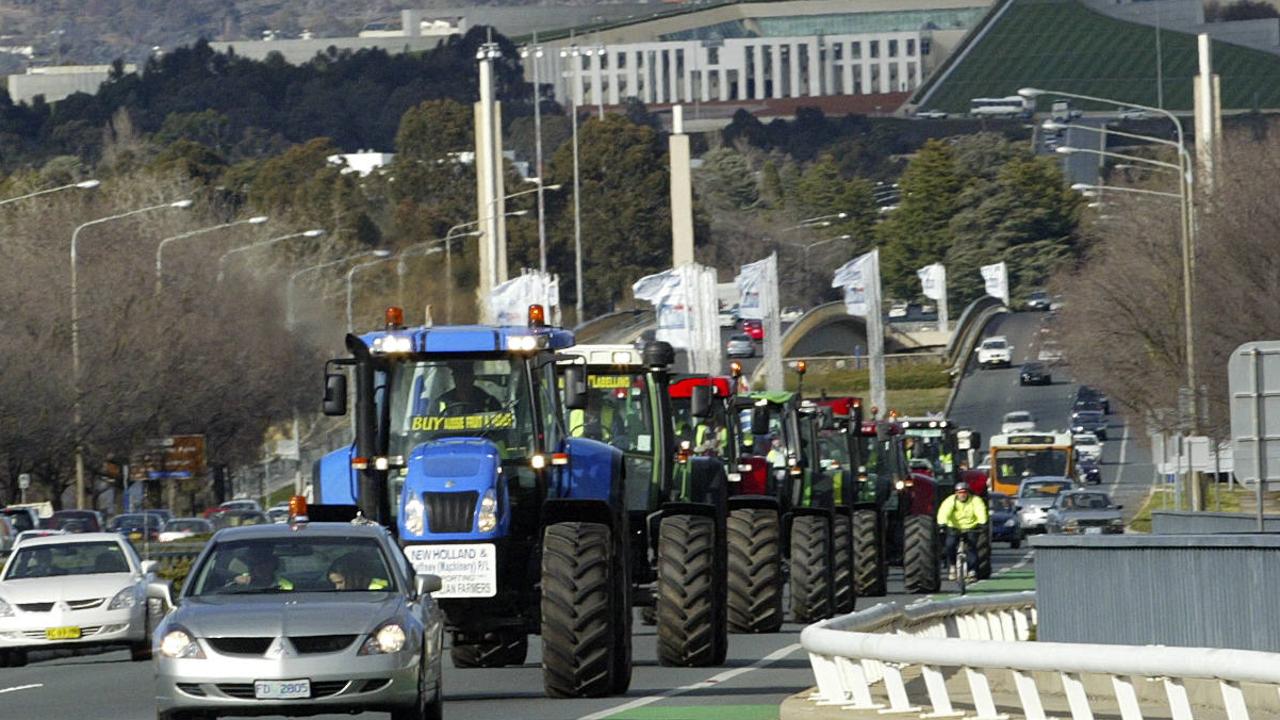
126 598
178 643
389 638
488 518
414 516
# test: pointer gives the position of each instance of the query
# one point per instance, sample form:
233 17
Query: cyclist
961 513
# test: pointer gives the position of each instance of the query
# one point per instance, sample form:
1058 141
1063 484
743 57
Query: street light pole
222 261
351 289
75 334
448 253
256 220
82 185
288 296
574 99
536 53
1185 182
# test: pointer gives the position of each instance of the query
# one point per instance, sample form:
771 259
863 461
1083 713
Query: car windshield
1038 295
239 505
86 558
1000 503
1084 501
1085 439
1089 416
197 526
872 454
739 338
290 563
466 397
993 345
1033 367
618 412
133 521
1018 417
1043 488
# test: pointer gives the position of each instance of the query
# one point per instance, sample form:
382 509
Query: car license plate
282 689
62 633
1093 531
467 570
135 536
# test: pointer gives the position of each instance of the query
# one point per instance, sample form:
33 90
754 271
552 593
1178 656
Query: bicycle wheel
962 566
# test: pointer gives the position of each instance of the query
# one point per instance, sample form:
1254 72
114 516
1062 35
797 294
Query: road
986 395
761 670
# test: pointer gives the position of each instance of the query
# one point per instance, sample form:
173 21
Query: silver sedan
299 619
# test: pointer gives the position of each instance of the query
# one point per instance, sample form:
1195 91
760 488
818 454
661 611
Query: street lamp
448 255
1085 189
1185 180
222 261
82 185
255 220
351 274
806 247
75 331
288 297
536 52
574 98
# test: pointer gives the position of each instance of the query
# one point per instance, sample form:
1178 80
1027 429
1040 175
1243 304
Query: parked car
740 345
1038 300
1087 446
1084 512
1035 495
754 329
73 591
361 630
1004 520
1034 373
22 518
791 314
1089 421
137 527
74 521
1091 394
995 351
183 528
237 518
1089 472
1017 421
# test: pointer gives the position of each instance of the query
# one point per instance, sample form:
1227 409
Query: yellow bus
1026 454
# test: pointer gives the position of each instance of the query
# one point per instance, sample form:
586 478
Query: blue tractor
461 446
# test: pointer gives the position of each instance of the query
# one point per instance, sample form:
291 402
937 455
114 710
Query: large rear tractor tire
845 592
984 553
755 571
688 617
920 555
810 568
579 637
870 569
493 650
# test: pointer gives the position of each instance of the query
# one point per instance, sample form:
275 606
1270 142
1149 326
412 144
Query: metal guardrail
985 640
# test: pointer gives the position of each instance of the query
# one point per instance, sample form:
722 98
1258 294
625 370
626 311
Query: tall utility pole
574 99
681 191
490 208
535 53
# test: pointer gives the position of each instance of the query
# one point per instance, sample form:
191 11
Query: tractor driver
465 397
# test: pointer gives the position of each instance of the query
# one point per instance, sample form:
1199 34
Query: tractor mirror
335 394
575 387
759 420
700 401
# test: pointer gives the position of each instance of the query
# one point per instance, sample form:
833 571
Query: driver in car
262 575
465 398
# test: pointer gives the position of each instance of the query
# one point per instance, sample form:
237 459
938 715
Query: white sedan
75 590
1017 421
1087 445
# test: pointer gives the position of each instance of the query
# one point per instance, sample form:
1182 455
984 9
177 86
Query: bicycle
962 562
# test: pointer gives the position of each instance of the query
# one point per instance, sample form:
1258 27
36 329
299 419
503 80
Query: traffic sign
1253 376
24 481
176 457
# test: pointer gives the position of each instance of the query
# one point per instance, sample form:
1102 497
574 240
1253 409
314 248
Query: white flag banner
651 288
933 280
996 279
750 281
854 277
509 302
684 301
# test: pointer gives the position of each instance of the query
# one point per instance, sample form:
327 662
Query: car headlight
414 514
1117 522
178 643
1010 523
488 519
126 598
6 610
389 638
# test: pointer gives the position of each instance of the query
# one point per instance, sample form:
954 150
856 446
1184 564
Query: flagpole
875 337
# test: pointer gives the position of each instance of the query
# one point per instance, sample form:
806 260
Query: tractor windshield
619 412
709 435
935 446
465 397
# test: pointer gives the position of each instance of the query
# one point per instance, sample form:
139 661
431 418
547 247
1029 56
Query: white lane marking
710 682
1124 446
16 688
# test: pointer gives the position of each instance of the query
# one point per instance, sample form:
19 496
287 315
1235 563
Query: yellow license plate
135 536
62 633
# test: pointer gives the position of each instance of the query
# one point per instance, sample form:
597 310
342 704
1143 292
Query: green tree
434 129
771 191
823 191
625 208
917 233
729 178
